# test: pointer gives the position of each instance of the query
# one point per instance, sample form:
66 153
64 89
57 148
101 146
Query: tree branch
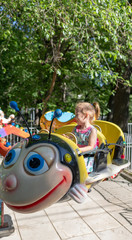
50 91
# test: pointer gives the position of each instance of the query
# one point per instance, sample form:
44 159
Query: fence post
128 148
1 213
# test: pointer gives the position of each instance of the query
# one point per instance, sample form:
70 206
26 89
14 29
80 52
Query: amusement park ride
48 167
7 127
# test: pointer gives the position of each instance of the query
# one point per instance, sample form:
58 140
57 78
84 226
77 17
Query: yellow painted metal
45 124
80 159
111 131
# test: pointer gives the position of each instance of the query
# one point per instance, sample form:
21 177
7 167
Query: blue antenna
14 106
57 114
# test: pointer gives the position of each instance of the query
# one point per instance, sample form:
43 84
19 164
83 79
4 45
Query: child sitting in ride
85 132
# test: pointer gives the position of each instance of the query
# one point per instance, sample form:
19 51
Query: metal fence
128 139
129 128
12 139
128 148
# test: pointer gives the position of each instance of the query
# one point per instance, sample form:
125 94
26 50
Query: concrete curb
127 175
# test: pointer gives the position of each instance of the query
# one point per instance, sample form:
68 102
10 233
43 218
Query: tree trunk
119 105
45 101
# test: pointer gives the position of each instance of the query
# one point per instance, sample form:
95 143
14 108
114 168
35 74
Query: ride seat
101 159
113 134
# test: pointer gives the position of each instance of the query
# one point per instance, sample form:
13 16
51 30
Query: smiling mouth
38 201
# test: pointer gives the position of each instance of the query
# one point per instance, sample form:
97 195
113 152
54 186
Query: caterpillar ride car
48 167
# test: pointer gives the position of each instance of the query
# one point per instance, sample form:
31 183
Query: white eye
35 164
11 157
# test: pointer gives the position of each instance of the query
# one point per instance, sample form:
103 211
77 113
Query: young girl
86 134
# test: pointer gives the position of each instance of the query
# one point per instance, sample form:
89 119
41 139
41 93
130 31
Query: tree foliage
54 52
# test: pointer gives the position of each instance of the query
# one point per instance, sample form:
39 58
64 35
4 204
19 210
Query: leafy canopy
63 49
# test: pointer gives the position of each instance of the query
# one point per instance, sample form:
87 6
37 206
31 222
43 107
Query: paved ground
106 215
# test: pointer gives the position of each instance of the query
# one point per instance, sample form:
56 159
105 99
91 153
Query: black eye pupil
8 157
34 163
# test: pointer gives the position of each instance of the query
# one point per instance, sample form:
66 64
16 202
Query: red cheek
10 183
68 177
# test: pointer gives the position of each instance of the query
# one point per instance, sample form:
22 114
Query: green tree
57 50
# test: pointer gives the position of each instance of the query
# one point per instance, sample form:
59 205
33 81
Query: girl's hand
71 136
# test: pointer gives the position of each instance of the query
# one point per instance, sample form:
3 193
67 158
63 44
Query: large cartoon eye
35 164
11 157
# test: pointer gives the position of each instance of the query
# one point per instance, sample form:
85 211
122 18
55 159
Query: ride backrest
101 138
65 119
112 133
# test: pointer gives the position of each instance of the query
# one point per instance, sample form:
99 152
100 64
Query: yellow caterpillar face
38 172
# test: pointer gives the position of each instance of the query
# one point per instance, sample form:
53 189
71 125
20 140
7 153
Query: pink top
83 136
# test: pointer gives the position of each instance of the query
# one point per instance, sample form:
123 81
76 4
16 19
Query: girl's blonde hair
97 110
85 107
92 109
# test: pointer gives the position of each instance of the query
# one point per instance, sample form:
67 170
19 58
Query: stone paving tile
85 237
110 207
46 232
89 207
101 222
95 195
129 186
122 195
129 228
109 184
106 196
115 184
124 217
115 234
60 212
116 195
36 226
72 228
13 236
126 185
87 201
129 205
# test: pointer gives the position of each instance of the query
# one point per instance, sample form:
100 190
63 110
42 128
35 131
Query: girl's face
80 117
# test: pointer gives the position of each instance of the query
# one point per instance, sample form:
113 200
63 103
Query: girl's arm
91 142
